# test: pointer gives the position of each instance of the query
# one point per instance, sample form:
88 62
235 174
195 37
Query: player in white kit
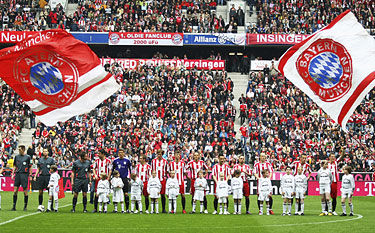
301 187
136 185
54 188
347 190
153 189
102 192
172 191
325 180
118 194
265 191
222 189
200 187
237 190
287 191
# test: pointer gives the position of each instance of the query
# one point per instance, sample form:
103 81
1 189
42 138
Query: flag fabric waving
334 66
61 193
56 75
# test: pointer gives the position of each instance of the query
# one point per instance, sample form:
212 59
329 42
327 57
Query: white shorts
326 188
222 200
238 194
198 195
346 193
263 196
288 193
135 197
54 192
103 198
172 194
118 196
154 193
300 194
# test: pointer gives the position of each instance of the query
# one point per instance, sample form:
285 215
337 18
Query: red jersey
179 169
194 168
143 171
160 166
244 168
259 167
335 170
217 169
102 166
305 167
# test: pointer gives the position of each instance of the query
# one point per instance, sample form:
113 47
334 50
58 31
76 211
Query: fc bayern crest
326 66
48 77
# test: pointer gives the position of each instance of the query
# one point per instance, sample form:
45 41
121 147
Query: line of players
82 170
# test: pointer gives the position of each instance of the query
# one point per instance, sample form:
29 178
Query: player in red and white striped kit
159 165
333 166
178 166
143 171
195 166
245 172
258 168
101 165
217 169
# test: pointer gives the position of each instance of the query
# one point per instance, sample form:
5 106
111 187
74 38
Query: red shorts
145 193
246 189
334 190
182 188
163 184
192 188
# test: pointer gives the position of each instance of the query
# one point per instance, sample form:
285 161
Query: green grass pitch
64 221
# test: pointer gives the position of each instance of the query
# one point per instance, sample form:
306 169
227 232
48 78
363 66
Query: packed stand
280 120
157 108
306 17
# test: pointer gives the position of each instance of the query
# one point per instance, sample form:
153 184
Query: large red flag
57 75
61 189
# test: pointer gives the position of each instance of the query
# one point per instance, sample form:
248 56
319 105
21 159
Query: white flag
334 66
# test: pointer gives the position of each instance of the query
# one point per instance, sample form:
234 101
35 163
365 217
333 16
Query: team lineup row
162 178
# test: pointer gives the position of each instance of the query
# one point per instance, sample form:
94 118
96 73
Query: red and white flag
56 75
334 66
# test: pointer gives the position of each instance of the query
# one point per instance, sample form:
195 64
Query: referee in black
44 166
81 178
21 174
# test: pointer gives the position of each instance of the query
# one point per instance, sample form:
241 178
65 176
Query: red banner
146 39
14 36
273 39
180 63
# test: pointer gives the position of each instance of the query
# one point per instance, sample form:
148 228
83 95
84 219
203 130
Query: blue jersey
122 166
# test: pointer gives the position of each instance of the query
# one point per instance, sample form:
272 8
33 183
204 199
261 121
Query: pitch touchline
27 215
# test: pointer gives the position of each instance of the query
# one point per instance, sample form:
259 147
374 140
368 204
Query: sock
289 207
201 207
330 207
323 207
139 206
225 208
296 207
299 204
221 208
26 200
96 202
343 208
56 204
194 203
239 208
105 206
183 202
132 206
84 201
136 205
127 202
14 201
175 205
271 203
205 202
303 207
215 203
100 206
170 205
122 206
260 208
163 202
49 204
157 207
152 206
74 202
351 207
235 207
147 202
284 208
40 199
115 206
268 208
247 203
334 203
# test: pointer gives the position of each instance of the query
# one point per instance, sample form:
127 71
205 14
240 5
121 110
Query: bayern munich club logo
47 77
177 39
114 38
326 66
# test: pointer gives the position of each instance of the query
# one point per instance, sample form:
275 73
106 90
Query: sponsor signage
145 39
274 39
215 39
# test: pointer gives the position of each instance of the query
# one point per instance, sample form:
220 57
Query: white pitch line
27 215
